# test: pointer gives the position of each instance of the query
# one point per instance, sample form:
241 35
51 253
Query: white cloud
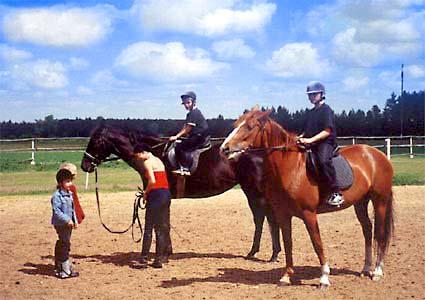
235 48
415 71
41 73
59 27
297 60
84 91
387 31
167 62
355 83
347 50
202 17
78 63
11 54
105 78
224 21
366 33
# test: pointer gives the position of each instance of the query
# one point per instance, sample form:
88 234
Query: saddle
343 172
192 157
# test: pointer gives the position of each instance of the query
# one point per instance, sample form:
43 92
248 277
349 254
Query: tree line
403 115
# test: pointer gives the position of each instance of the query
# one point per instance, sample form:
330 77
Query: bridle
95 161
250 149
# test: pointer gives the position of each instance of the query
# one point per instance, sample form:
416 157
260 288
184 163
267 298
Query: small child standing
64 220
77 206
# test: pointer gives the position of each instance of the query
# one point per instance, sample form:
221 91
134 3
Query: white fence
386 144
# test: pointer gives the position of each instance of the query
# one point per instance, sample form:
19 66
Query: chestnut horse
213 176
291 191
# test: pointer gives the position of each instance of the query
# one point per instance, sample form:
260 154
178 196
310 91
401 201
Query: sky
133 59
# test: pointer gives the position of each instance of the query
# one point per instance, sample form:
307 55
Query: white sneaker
336 199
178 171
182 171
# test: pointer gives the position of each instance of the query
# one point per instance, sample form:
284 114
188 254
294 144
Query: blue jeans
157 217
63 244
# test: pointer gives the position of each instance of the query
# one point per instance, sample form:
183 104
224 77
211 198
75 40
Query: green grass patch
18 177
408 171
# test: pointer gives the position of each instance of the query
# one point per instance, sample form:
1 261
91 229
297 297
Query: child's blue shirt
62 208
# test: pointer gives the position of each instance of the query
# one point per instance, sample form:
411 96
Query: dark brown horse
291 191
213 176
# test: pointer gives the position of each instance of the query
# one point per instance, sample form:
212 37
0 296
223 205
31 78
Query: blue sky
132 59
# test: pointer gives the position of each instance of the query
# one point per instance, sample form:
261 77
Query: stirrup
336 199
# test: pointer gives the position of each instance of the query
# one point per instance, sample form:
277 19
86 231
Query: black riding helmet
188 95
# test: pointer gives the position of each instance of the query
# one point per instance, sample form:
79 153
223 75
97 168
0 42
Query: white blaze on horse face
231 136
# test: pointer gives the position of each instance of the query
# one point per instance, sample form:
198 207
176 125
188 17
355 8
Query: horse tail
389 227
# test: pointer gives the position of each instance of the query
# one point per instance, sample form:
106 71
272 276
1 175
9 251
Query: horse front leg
287 242
310 221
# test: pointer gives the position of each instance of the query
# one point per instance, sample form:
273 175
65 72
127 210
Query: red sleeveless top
161 181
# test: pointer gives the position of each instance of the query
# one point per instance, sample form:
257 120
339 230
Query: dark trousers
157 218
323 154
186 146
63 244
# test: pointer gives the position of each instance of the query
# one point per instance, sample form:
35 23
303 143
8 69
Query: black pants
186 146
157 218
63 244
323 154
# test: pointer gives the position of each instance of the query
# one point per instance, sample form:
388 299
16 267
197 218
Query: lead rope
136 205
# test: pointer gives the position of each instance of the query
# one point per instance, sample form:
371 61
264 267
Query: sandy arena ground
210 238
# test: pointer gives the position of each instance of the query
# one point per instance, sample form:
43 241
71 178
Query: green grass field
17 176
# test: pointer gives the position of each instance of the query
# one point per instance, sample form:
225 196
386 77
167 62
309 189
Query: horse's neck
277 136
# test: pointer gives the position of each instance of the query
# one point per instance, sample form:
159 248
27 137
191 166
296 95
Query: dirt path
210 237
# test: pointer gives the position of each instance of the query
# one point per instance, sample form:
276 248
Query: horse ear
264 116
255 108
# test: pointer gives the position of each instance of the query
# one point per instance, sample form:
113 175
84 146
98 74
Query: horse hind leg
275 235
258 217
383 231
363 217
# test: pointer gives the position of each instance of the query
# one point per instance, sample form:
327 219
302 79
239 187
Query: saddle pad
194 156
344 173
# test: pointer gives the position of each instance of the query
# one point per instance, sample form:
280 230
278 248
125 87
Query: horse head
255 130
103 142
245 135
106 140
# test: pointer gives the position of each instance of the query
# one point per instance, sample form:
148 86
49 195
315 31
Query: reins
136 205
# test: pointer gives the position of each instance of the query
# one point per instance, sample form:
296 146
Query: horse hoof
250 255
285 280
376 277
274 259
364 274
323 286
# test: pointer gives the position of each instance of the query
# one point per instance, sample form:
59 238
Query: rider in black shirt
196 130
320 134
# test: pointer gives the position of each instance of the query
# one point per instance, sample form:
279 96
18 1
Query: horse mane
134 135
289 138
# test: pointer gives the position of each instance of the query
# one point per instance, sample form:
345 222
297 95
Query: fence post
388 140
354 140
411 147
33 151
